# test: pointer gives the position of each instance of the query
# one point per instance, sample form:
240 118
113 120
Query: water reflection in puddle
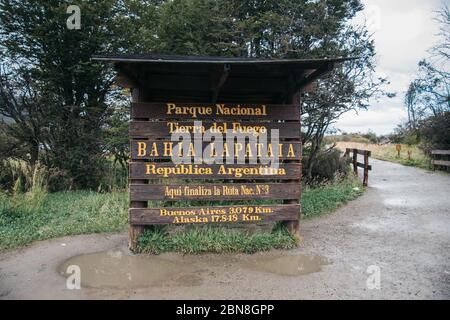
115 269
118 270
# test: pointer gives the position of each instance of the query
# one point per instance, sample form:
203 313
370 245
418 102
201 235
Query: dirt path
401 225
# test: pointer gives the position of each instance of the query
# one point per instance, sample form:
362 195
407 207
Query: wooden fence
435 154
357 164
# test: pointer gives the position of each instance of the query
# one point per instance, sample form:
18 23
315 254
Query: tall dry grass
30 186
410 155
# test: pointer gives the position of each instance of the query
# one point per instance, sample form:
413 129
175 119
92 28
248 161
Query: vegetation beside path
388 152
38 215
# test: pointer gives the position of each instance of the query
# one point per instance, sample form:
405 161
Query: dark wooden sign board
241 94
152 169
165 149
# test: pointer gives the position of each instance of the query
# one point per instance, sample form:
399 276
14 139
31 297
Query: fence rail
439 162
357 164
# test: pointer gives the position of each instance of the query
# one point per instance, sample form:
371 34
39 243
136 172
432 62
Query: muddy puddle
116 269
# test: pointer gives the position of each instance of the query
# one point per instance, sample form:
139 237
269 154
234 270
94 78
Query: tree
62 108
410 103
283 29
196 27
116 135
429 93
21 103
75 93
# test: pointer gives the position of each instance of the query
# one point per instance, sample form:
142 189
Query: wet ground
399 227
117 269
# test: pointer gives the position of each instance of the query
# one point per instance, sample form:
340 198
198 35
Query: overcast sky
403 31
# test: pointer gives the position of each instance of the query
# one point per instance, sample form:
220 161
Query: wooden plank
224 191
135 231
219 214
158 170
361 165
201 96
152 149
440 163
363 152
293 226
164 129
441 152
357 151
160 110
193 83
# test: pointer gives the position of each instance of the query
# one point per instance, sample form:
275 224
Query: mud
116 269
119 269
401 225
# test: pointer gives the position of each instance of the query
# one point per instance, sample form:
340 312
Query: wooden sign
214 214
224 191
251 169
152 149
157 170
222 111
164 129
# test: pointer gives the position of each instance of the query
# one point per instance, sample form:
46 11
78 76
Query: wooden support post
135 230
366 169
293 227
134 233
355 161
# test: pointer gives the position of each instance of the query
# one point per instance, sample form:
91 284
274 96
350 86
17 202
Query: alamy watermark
73 22
232 146
373 282
73 281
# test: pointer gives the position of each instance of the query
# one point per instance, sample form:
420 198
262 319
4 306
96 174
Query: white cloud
404 31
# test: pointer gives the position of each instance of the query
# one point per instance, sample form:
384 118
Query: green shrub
435 132
328 166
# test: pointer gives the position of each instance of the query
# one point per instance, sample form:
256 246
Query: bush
371 136
114 178
435 132
327 167
403 134
6 176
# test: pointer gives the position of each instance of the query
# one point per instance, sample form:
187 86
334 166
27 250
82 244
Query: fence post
366 168
432 160
355 161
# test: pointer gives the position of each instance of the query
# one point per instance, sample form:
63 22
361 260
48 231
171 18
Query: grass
37 215
213 239
388 152
25 218
327 198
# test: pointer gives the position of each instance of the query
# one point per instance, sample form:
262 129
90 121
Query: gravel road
399 227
